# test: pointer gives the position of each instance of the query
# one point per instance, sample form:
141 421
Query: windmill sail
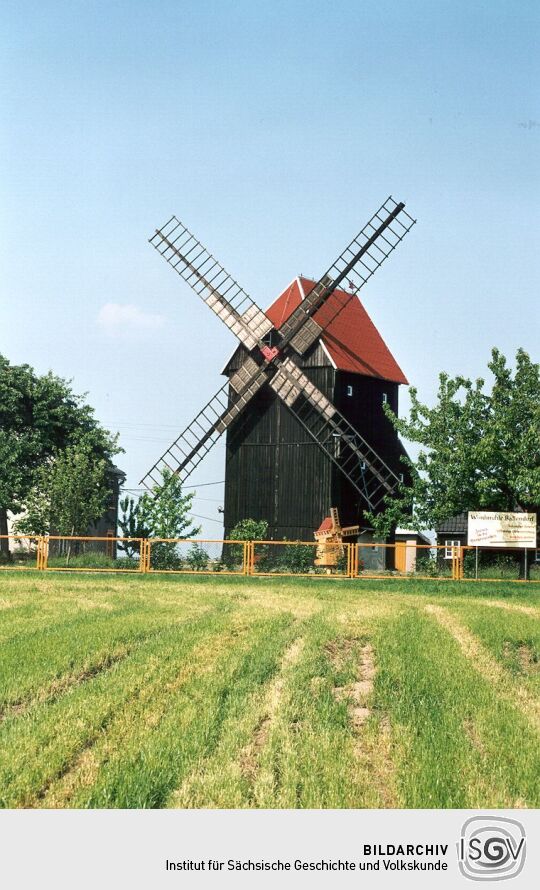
196 265
356 264
200 436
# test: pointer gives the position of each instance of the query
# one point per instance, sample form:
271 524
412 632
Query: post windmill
272 403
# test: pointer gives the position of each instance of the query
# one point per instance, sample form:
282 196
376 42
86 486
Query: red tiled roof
326 525
351 338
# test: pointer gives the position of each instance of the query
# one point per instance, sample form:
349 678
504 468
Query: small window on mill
349 390
384 398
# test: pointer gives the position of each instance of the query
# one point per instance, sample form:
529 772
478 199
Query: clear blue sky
273 130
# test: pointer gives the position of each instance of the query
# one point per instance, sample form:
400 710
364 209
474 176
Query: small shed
407 543
451 533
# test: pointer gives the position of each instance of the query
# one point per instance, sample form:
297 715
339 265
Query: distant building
453 532
409 545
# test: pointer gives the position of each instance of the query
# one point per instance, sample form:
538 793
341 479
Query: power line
207 518
201 485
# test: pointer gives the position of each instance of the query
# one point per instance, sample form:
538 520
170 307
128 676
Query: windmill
329 537
271 356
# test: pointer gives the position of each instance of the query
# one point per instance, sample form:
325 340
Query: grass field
212 692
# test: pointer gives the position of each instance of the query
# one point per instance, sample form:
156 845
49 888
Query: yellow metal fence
265 558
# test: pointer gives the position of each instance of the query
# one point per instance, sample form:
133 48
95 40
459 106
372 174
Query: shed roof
457 524
351 339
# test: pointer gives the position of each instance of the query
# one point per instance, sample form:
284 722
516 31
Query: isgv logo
491 848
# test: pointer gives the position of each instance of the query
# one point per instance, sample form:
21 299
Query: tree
161 513
478 450
131 525
40 416
69 493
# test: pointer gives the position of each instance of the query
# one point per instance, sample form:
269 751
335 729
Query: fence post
141 554
144 557
42 553
457 563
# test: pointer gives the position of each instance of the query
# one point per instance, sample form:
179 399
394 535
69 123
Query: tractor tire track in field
372 750
358 693
510 607
146 707
486 665
59 686
249 756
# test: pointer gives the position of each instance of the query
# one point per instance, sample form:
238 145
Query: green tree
40 416
131 525
479 450
70 493
165 513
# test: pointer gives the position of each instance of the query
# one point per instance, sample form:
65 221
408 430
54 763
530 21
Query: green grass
127 691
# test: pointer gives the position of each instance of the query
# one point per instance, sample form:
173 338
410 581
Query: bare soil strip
486 664
359 692
249 756
373 750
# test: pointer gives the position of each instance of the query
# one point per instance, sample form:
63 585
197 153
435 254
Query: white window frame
349 389
448 547
385 398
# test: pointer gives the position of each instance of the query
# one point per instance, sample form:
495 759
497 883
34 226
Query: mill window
384 398
349 390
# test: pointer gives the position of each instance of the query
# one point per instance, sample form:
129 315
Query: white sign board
501 529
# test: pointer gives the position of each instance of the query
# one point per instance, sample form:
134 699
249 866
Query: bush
163 555
197 558
428 565
245 530
298 558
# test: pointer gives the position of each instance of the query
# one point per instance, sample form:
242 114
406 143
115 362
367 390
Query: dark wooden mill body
274 470
297 442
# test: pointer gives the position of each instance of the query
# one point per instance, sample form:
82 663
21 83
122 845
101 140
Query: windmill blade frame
357 263
199 437
211 282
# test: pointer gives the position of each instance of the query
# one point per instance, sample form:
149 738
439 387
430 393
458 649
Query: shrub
426 564
245 530
197 558
163 555
298 558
